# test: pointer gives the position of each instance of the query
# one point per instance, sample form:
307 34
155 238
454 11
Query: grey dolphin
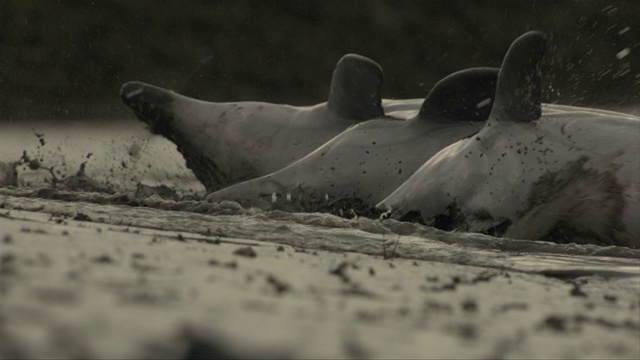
535 171
360 166
224 143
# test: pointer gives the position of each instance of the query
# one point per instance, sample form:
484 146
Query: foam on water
328 232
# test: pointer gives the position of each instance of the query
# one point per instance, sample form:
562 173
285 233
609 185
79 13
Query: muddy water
117 155
127 166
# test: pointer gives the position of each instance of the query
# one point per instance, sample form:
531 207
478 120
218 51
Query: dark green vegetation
68 59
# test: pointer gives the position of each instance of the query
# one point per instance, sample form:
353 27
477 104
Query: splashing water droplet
623 53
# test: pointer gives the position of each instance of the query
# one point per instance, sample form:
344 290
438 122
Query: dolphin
359 167
225 143
535 171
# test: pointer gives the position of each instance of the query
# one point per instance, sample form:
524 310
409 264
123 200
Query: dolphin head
151 104
161 110
433 188
464 173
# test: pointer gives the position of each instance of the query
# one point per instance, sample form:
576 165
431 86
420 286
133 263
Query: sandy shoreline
74 288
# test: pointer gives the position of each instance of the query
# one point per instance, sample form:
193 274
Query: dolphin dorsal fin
465 95
518 92
356 88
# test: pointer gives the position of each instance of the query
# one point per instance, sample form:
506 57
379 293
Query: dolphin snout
151 104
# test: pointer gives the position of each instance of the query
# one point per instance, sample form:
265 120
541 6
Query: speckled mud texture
561 203
84 280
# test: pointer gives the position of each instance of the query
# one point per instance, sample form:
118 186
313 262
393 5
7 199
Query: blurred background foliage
68 58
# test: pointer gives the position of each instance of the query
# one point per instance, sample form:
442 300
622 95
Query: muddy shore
76 286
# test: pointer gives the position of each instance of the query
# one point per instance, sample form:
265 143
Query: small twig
393 251
384 248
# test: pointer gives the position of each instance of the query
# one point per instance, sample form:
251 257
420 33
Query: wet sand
75 286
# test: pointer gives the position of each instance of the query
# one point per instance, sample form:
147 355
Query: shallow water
124 154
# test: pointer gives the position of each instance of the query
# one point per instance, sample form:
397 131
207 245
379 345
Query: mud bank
76 284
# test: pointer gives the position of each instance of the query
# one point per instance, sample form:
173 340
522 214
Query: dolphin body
534 171
225 143
359 167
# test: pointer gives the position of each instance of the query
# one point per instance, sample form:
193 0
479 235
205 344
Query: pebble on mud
556 323
103 259
228 265
82 217
7 239
7 264
341 272
469 305
246 252
467 331
278 285
577 291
